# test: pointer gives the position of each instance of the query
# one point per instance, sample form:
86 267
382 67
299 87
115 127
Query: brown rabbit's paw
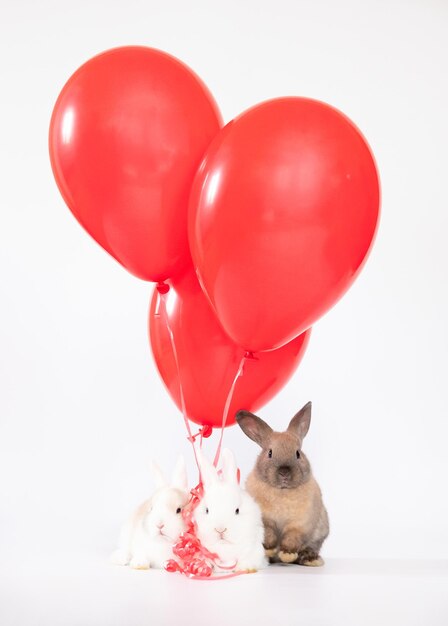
315 562
251 571
270 552
287 557
309 558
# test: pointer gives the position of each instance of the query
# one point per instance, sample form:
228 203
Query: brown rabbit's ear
300 423
254 427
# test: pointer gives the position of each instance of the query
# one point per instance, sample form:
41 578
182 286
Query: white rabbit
147 538
228 519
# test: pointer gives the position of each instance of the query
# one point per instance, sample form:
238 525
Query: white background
82 408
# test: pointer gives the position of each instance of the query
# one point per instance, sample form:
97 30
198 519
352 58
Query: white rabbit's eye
178 510
237 511
206 510
298 454
270 454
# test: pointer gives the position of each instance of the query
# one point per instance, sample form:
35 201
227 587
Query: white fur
143 541
234 537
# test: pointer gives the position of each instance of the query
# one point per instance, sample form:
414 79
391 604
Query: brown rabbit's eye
237 511
206 510
270 454
178 510
298 454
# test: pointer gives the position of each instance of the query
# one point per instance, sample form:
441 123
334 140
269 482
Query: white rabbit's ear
209 475
229 468
157 476
179 478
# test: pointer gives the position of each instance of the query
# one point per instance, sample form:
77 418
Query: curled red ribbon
193 559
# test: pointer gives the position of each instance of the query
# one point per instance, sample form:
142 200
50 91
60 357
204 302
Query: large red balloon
127 134
209 360
283 212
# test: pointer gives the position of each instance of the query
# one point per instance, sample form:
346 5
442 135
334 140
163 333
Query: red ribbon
204 433
193 559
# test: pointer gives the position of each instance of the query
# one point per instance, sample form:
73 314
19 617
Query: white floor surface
86 590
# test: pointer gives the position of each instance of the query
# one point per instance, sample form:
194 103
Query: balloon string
163 296
188 548
227 407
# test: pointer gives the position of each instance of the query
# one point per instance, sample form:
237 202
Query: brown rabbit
294 516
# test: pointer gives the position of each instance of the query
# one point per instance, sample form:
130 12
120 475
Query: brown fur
294 516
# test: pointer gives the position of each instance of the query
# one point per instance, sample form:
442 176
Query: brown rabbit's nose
160 526
284 470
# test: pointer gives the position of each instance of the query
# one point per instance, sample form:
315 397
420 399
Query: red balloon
127 134
209 360
283 212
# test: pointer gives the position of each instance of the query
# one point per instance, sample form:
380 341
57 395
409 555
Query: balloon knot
206 431
162 288
250 355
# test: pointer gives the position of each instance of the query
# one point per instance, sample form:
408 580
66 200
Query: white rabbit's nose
160 526
221 531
